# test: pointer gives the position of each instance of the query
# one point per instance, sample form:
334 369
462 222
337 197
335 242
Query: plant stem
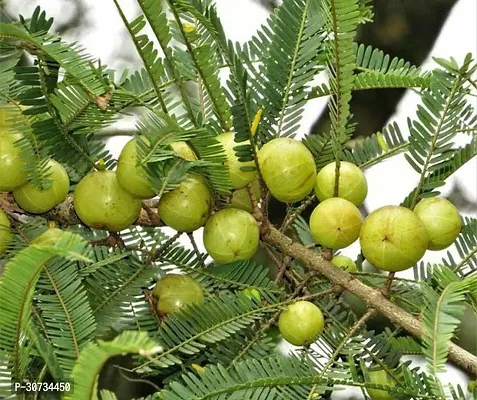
371 296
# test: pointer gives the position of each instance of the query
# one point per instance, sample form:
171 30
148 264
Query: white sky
388 183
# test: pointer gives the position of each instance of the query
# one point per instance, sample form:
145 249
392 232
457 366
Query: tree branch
371 296
65 215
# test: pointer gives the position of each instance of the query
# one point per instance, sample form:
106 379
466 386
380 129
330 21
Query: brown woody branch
373 297
65 215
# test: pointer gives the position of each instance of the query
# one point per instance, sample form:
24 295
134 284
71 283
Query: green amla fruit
175 291
380 377
49 237
238 177
182 149
12 166
130 176
133 178
37 201
5 232
393 238
102 203
241 198
345 263
231 235
352 184
335 223
288 169
187 207
301 323
441 220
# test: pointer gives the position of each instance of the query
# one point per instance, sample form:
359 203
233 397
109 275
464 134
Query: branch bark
374 298
65 215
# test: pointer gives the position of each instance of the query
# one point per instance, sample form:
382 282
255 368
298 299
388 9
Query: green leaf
93 357
66 312
341 21
440 318
17 286
439 117
288 66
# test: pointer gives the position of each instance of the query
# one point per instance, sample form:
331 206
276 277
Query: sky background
104 36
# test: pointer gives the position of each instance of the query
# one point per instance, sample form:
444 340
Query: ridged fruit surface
352 184
301 323
238 177
288 169
393 238
380 377
441 220
344 263
12 166
335 223
175 291
37 201
130 176
102 203
187 207
183 150
231 235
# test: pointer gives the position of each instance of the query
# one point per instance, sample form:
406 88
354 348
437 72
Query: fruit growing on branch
182 149
5 232
393 238
335 223
187 207
352 183
131 177
241 198
12 166
102 203
238 177
175 291
39 201
380 377
441 220
231 235
345 263
288 168
301 323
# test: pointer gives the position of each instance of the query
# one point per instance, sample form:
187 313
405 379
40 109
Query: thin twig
130 379
163 248
371 296
273 320
386 290
354 329
285 263
290 218
196 249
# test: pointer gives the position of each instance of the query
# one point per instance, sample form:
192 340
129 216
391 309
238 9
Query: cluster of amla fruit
392 238
14 177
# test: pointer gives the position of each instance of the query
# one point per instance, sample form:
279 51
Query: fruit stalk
372 296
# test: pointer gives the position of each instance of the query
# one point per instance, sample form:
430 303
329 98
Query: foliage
71 308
